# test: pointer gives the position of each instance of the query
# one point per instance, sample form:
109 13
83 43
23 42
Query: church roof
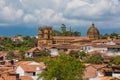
92 30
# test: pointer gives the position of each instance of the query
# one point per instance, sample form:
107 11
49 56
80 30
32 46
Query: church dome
93 32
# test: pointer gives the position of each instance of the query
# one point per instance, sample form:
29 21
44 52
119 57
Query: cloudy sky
25 16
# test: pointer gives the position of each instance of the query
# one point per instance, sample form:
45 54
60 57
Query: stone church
45 37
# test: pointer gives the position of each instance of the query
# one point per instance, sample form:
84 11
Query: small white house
54 52
32 52
110 50
30 69
103 42
90 48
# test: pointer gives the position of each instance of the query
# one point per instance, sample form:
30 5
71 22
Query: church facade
45 37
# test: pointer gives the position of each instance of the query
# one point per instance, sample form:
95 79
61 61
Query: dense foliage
78 54
10 55
63 68
95 59
7 44
116 60
64 32
112 36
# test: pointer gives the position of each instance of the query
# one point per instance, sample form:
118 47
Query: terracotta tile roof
106 78
3 53
106 69
29 68
88 44
1 79
32 68
99 66
14 78
26 78
9 78
90 72
22 63
85 39
68 46
117 41
100 41
7 64
66 37
5 68
10 71
35 49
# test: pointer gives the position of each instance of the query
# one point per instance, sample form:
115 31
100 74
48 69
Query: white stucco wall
86 48
38 72
111 43
94 79
54 52
116 75
106 43
100 49
20 71
90 49
99 73
30 55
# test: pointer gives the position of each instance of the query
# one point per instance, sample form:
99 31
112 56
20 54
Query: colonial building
45 37
93 33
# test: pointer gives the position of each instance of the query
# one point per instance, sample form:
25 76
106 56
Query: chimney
17 76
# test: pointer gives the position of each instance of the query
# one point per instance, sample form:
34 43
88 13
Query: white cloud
9 14
19 13
2 3
29 18
20 0
55 12
95 10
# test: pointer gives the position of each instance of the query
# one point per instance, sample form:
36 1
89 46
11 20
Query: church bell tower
45 36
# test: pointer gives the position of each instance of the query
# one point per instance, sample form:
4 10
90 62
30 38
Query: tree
76 33
56 33
63 27
116 60
10 55
95 59
82 54
113 35
63 68
74 54
22 54
77 54
105 36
